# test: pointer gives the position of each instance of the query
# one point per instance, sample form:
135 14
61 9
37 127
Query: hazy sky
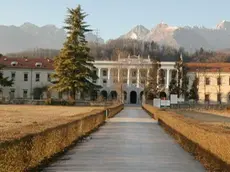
116 17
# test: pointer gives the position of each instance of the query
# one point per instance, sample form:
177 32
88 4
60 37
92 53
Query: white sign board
157 103
181 99
173 98
165 103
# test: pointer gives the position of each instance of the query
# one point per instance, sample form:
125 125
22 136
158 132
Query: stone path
130 142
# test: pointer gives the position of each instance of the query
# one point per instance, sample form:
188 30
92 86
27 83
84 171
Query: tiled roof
209 67
26 63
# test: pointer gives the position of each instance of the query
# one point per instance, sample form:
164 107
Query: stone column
147 79
128 80
99 76
167 78
108 83
118 75
138 78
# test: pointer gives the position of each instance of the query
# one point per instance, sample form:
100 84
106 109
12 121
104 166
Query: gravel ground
203 117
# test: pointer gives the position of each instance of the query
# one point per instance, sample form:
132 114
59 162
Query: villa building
127 76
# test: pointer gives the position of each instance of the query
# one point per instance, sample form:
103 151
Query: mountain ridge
190 38
30 36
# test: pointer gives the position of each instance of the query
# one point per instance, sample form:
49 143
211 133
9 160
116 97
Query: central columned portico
128 77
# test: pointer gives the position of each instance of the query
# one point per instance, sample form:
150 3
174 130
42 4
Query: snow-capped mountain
163 34
191 38
30 36
138 32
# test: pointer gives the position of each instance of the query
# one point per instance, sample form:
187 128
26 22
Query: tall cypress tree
74 69
193 93
152 88
173 89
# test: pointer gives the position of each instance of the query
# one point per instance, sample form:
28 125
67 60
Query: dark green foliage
185 82
152 89
193 93
181 79
161 78
173 89
74 69
4 81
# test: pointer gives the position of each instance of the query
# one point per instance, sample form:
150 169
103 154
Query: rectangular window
134 74
13 75
60 95
25 93
219 97
37 77
48 77
143 82
104 73
12 92
206 98
134 81
124 73
207 81
219 81
124 81
115 81
104 81
25 76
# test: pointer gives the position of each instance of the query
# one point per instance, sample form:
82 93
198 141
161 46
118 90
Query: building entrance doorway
133 97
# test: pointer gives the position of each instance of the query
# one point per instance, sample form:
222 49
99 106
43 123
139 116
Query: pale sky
116 17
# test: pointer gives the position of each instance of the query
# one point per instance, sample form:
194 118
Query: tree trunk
73 94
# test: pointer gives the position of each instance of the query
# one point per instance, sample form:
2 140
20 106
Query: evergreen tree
5 82
74 69
173 89
182 78
185 82
152 88
193 93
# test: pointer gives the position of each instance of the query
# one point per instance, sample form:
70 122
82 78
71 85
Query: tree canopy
74 69
4 81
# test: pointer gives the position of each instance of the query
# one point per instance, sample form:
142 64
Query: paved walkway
130 142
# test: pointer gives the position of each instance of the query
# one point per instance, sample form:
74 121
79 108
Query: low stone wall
29 151
208 143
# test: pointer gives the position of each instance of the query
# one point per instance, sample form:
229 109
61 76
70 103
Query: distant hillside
30 36
227 50
51 53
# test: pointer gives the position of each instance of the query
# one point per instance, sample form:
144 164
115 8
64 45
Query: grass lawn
16 117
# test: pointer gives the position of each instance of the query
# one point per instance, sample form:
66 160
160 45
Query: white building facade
128 76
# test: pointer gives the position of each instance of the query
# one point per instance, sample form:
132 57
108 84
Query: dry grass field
15 117
206 136
216 112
